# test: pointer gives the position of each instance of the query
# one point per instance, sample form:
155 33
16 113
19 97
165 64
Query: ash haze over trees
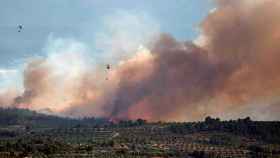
230 70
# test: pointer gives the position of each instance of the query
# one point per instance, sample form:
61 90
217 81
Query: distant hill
28 118
264 130
15 119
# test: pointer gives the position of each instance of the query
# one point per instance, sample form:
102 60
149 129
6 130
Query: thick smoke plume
230 71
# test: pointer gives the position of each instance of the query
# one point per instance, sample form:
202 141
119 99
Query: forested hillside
27 118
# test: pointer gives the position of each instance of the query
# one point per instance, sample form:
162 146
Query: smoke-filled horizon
229 71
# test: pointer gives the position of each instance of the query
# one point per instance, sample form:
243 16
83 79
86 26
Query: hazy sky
83 19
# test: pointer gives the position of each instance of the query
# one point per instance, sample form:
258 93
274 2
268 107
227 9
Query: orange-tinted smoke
235 67
244 37
233 72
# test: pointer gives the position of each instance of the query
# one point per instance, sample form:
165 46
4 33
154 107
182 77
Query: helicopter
108 66
20 27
